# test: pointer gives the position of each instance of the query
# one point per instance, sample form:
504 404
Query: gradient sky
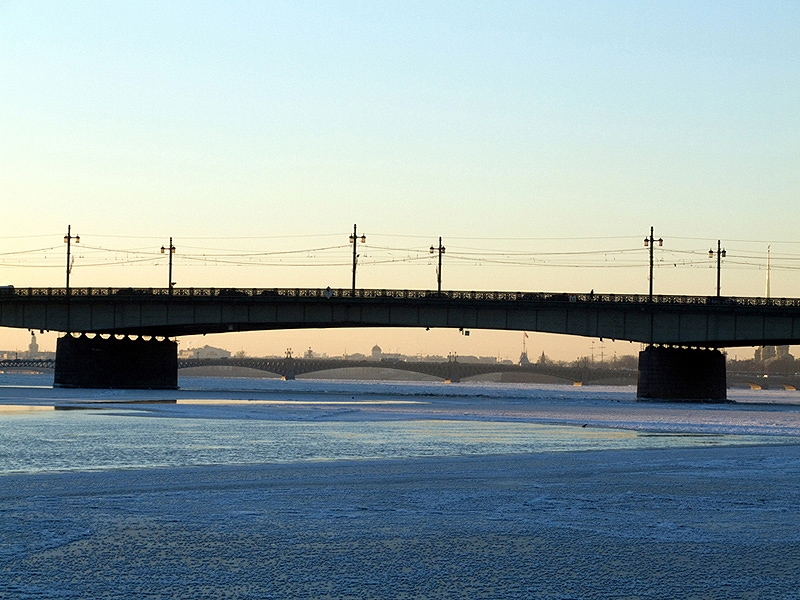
540 140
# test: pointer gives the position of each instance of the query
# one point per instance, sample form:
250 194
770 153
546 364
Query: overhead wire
338 255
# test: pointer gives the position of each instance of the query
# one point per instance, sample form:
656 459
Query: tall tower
33 347
523 358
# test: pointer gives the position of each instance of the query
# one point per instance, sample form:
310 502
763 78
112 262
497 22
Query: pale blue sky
569 125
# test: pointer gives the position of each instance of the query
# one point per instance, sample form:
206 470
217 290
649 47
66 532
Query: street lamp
440 249
171 250
720 255
68 241
354 239
650 242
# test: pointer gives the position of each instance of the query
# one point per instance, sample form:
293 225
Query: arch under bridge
451 371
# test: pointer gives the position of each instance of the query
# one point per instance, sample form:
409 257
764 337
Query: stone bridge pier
97 362
289 371
681 374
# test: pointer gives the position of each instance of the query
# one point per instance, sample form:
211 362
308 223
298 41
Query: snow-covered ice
406 491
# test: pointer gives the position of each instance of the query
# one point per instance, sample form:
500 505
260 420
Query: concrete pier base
84 362
681 374
289 371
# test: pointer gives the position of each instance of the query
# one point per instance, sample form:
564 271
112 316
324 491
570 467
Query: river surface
219 421
253 488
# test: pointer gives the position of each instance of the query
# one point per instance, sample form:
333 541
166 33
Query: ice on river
313 489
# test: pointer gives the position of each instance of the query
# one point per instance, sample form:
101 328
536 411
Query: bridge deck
671 320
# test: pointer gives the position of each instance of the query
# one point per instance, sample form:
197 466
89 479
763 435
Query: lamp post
171 250
440 249
354 239
68 241
650 242
720 254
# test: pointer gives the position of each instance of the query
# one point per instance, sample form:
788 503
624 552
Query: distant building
763 353
32 352
204 352
376 352
432 358
484 360
33 347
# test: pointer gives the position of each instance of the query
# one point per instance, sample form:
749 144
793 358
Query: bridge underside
673 374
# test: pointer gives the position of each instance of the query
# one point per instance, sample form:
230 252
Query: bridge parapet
329 293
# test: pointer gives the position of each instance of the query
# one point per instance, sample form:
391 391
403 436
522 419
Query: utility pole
651 242
440 249
68 241
768 247
171 250
354 239
720 254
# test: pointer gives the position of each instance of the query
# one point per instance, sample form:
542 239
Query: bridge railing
329 293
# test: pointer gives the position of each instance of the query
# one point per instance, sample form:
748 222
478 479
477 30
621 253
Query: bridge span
692 321
682 332
451 371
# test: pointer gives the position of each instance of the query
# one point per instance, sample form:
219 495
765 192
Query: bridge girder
443 370
666 320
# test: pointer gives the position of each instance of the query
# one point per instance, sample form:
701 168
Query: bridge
132 348
450 371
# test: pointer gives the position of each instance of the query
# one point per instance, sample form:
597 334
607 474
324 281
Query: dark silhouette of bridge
452 371
681 331
28 364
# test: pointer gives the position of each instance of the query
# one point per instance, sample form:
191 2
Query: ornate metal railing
8 292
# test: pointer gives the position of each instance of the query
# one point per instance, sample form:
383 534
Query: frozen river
244 488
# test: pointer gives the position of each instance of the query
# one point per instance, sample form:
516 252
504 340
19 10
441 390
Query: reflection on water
250 402
92 440
17 409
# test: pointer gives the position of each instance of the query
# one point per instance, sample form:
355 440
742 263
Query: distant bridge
31 364
453 371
